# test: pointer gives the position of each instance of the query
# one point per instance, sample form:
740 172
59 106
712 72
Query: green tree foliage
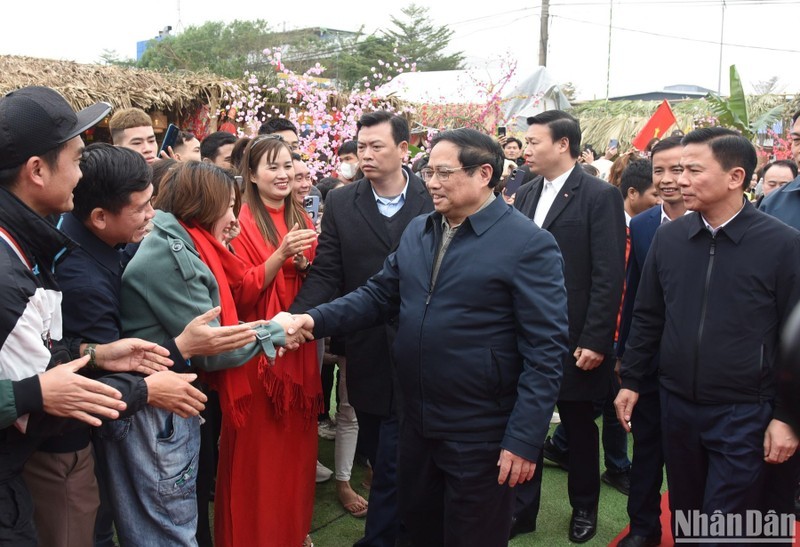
225 49
420 40
231 49
352 64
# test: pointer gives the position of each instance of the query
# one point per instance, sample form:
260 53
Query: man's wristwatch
90 351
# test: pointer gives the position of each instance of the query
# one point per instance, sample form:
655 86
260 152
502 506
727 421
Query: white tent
538 92
521 95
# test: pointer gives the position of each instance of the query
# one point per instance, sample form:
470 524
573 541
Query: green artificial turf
333 527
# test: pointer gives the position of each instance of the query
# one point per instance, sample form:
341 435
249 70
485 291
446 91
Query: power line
713 3
684 38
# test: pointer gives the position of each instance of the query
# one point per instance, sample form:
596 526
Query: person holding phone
512 150
603 164
186 147
267 489
133 128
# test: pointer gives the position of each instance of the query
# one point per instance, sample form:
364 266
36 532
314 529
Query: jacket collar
734 230
793 186
37 236
109 257
479 222
167 223
416 194
564 196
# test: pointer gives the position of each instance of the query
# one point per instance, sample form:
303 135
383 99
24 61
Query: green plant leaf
737 99
767 118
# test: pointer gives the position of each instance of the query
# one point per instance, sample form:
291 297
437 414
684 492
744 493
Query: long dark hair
269 146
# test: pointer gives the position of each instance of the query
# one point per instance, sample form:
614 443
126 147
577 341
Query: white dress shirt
549 192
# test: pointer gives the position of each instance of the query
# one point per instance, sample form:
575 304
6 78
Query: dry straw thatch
122 87
602 121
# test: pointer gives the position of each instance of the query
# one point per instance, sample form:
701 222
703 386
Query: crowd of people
171 321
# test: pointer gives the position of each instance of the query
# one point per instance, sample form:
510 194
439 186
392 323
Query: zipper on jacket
711 252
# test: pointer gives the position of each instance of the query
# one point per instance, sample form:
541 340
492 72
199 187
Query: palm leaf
737 100
767 118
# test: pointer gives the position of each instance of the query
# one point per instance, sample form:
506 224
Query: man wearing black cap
40 151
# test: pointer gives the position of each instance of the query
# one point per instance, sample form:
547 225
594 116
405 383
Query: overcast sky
653 42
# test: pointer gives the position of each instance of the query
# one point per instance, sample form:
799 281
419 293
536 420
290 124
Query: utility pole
608 61
721 44
543 32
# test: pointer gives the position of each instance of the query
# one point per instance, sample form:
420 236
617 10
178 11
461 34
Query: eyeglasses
442 173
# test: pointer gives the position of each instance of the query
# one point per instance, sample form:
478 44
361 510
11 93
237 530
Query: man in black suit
586 216
362 225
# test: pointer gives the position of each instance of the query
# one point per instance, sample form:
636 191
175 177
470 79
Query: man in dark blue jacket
711 302
783 203
647 470
482 334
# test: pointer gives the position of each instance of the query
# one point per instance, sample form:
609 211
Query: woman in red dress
267 465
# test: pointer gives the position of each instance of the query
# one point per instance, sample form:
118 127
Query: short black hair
475 149
273 125
562 126
400 131
347 147
591 169
210 146
327 184
238 151
637 175
182 138
666 144
513 139
110 175
779 163
728 147
795 116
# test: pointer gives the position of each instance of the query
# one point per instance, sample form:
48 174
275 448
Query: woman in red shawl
266 476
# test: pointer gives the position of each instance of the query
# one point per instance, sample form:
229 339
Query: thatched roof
604 120
122 87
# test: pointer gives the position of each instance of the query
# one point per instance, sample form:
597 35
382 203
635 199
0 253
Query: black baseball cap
35 120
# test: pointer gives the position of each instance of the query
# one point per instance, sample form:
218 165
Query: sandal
357 508
307 542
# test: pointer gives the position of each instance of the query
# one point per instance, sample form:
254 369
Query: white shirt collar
559 181
664 216
395 199
718 228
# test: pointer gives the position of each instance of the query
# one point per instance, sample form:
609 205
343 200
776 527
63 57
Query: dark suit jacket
587 219
642 229
353 245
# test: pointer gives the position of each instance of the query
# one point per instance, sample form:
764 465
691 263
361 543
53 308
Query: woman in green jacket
181 269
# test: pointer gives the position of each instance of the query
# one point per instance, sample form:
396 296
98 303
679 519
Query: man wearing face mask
348 170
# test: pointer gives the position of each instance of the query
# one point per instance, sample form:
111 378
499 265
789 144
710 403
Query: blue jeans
151 461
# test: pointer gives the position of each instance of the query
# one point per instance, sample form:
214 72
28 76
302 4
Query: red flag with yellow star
656 126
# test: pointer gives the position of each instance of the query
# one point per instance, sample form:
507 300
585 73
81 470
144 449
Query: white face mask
348 170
